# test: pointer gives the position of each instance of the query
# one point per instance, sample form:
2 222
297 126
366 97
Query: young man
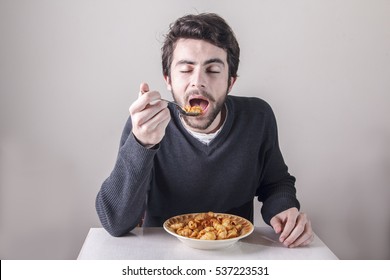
169 164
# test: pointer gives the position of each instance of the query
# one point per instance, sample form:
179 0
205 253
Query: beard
203 122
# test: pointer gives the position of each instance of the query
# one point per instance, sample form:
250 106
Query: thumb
276 224
144 87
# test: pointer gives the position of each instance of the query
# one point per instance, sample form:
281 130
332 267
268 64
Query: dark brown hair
206 26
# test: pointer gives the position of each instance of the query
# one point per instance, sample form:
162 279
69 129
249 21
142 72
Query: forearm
277 190
278 198
121 199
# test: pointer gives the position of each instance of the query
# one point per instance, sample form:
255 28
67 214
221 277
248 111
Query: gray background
69 70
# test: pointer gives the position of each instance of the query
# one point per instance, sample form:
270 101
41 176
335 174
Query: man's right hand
150 117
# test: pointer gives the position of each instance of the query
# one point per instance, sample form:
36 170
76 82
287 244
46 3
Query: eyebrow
209 61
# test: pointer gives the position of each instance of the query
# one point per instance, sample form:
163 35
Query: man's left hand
294 228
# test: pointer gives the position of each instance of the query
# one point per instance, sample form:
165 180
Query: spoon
185 112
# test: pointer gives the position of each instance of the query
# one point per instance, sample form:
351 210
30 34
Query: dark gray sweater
182 175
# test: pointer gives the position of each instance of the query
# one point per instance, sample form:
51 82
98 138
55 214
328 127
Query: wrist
145 145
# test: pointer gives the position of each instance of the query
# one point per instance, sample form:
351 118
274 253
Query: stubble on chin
203 123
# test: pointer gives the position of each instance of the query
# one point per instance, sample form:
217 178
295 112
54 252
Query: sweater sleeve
120 203
277 190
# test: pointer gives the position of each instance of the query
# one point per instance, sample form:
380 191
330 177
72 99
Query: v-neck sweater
182 175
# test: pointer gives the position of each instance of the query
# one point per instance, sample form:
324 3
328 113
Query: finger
148 113
165 118
143 87
301 231
276 224
306 237
307 242
296 236
154 129
303 240
157 118
289 226
143 101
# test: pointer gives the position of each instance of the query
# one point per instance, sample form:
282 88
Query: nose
198 79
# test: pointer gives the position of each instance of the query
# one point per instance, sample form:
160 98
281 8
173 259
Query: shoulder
252 112
251 106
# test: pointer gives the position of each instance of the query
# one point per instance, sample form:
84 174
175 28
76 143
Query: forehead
197 51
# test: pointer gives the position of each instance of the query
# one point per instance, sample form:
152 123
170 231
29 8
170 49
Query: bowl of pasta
208 231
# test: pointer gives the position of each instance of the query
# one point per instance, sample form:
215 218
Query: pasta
193 109
208 226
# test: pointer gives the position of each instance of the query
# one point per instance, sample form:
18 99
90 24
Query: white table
155 243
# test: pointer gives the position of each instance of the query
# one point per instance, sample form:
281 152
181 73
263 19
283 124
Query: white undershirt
206 138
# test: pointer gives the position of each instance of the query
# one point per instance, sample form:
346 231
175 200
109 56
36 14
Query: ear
168 82
232 81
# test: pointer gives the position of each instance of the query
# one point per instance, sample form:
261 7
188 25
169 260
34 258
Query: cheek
178 85
223 86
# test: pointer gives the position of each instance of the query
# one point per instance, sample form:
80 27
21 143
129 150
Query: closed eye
213 69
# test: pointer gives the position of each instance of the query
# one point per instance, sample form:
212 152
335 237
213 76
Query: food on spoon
193 109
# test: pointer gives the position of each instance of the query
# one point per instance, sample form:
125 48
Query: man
169 164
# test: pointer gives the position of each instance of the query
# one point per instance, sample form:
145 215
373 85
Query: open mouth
199 102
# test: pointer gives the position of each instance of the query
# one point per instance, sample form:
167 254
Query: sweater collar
206 138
